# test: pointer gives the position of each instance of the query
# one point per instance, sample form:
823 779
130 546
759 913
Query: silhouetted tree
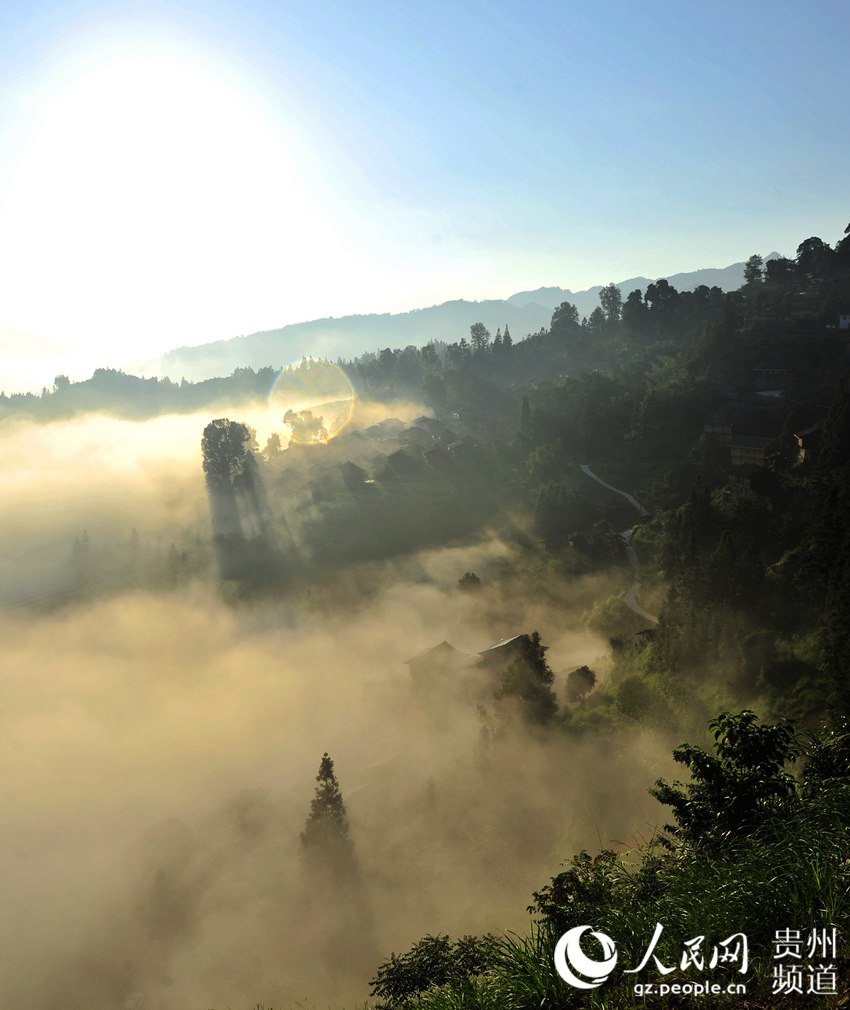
325 838
635 313
580 683
813 257
432 961
479 337
223 446
611 300
235 493
779 272
754 270
596 322
273 447
564 329
566 314
430 358
306 428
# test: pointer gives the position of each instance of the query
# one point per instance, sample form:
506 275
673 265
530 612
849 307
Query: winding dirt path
630 597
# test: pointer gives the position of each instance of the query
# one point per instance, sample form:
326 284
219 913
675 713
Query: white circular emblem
569 957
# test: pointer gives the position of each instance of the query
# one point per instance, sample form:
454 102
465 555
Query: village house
443 663
436 664
497 657
750 450
718 428
768 378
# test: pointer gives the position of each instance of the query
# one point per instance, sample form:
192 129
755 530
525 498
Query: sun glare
149 188
316 401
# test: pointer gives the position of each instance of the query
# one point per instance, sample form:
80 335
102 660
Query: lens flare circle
315 399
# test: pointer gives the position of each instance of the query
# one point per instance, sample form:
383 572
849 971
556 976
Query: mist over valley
375 638
484 587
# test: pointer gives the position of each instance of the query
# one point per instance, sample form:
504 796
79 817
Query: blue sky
175 172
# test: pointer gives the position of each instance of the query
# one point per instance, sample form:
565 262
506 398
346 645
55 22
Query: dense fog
162 733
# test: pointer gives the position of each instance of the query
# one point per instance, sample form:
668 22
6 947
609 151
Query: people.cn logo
575 967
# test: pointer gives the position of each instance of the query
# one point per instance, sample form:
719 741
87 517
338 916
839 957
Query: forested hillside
713 428
727 415
646 511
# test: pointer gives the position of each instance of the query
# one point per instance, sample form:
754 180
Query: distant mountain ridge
728 278
524 312
345 337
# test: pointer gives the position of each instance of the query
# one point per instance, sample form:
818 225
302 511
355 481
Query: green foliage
432 962
558 511
827 757
528 682
791 868
579 892
545 464
611 618
226 446
735 791
634 698
580 682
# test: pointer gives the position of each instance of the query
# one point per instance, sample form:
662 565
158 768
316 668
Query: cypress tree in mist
325 838
338 901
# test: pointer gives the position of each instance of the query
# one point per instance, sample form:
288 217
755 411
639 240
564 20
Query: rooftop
504 642
750 442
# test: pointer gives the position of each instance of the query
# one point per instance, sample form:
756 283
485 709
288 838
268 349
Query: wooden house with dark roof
417 437
438 459
404 466
499 655
438 664
390 427
750 450
431 425
353 476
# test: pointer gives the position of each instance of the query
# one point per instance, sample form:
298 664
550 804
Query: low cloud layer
160 746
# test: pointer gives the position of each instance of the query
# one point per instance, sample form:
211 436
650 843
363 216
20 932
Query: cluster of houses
442 670
444 660
389 454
